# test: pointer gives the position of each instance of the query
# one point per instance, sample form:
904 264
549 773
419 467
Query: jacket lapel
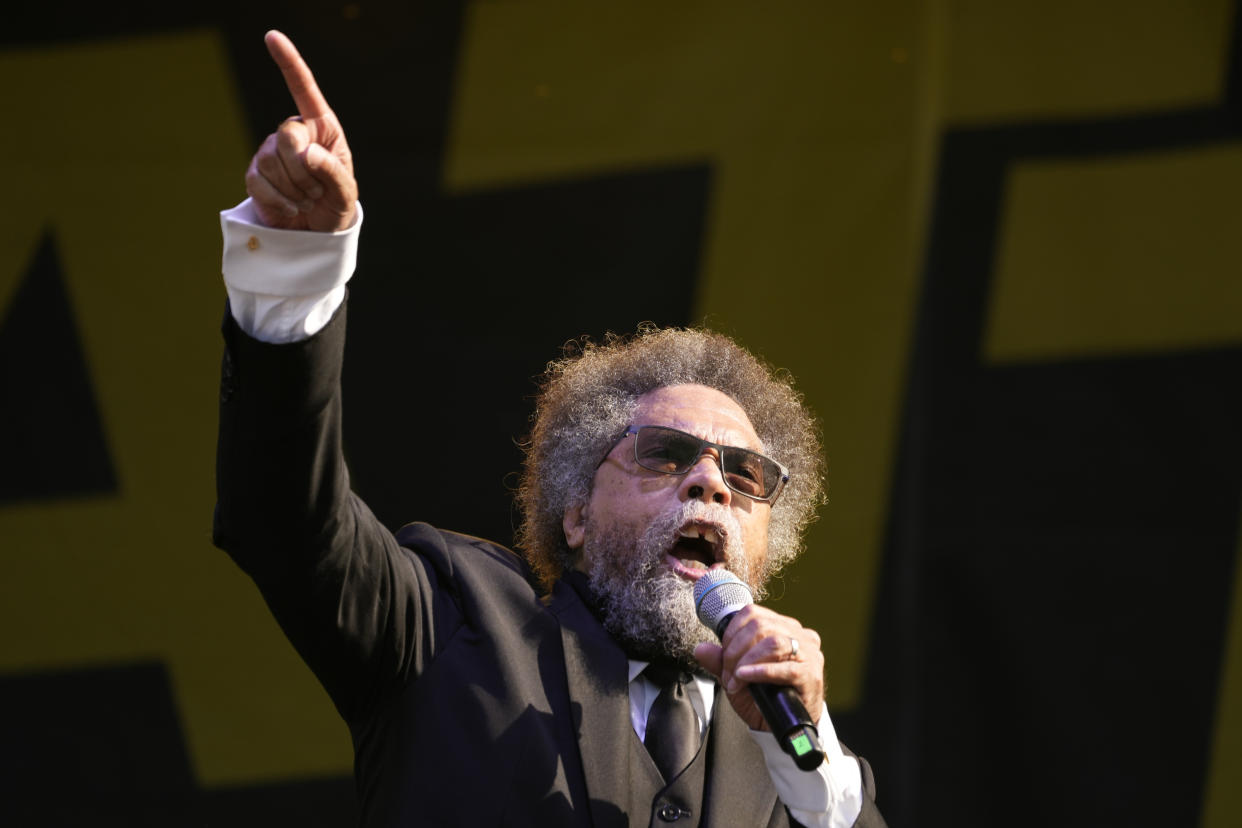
598 676
739 790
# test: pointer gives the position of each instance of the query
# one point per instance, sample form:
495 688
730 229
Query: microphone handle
787 717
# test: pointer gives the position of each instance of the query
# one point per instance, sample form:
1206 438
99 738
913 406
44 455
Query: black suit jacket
471 698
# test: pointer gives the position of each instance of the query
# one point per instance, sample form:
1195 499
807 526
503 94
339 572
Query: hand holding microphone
751 654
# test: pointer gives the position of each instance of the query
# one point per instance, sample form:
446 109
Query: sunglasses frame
719 458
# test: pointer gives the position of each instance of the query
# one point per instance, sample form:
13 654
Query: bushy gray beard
646 607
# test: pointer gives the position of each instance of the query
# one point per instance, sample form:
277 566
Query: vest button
671 813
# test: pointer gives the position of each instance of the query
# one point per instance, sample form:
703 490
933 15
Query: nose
705 481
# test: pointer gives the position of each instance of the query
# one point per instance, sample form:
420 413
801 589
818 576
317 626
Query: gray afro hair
588 398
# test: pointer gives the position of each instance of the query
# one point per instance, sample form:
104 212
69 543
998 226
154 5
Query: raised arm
333 576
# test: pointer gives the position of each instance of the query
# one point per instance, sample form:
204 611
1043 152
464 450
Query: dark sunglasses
669 451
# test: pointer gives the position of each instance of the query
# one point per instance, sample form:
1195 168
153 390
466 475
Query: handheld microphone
718 596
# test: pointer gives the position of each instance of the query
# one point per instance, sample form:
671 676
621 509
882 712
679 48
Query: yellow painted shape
127 149
1222 806
1036 60
1119 255
813 119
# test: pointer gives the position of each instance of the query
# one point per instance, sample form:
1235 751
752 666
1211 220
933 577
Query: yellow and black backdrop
997 243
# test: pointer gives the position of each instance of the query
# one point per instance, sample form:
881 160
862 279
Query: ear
574 524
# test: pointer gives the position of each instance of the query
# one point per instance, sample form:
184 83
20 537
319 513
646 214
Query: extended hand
302 177
758 648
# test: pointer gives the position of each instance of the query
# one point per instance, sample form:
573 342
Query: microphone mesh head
719 593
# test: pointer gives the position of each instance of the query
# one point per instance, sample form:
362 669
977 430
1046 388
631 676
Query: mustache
663 533
694 511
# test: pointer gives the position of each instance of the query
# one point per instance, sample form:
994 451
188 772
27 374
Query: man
480 687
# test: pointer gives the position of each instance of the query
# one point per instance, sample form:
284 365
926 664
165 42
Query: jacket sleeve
869 817
363 612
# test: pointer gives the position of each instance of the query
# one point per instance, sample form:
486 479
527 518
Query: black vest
678 803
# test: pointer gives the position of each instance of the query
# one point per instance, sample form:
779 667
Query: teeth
706 533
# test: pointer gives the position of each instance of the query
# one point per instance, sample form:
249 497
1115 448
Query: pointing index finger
298 78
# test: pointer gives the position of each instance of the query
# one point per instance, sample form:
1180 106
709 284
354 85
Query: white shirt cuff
284 285
831 795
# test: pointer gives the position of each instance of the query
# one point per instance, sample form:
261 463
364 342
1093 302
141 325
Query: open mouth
698 548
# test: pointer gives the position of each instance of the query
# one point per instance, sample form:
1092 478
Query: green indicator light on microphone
801 744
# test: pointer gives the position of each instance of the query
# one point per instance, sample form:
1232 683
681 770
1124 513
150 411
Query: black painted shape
447 341
93 747
1075 572
1061 541
327 803
65 22
54 441
103 747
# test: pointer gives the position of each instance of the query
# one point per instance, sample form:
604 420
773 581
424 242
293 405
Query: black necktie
672 726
